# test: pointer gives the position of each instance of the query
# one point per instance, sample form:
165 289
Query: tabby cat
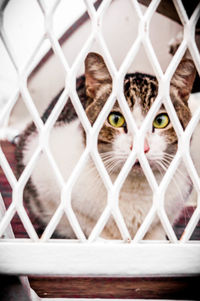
115 142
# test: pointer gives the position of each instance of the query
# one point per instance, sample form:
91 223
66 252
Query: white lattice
91 251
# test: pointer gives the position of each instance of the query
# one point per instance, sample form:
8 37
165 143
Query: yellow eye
116 119
161 121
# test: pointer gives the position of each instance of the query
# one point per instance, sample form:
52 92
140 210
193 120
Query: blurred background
23 25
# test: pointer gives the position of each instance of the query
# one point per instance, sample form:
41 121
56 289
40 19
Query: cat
115 142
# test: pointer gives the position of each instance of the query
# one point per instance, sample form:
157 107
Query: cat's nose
146 146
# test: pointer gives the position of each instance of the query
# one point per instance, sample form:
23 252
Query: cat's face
116 141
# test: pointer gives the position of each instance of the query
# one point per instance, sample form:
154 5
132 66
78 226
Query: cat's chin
136 169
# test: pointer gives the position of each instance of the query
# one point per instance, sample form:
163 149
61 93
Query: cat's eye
116 119
161 121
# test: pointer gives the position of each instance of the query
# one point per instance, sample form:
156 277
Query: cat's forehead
140 91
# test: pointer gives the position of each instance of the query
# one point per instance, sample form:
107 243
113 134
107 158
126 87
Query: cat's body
115 142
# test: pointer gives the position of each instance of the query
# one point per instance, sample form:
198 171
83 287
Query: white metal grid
92 252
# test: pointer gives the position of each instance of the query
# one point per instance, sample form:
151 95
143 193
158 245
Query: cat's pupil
159 120
116 119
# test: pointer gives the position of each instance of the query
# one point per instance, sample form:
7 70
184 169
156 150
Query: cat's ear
96 74
184 76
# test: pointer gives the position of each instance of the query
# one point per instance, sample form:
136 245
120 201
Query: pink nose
146 146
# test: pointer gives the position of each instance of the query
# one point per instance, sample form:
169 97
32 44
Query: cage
44 60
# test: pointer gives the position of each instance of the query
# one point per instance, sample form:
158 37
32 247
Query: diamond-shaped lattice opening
8 150
156 231
111 230
63 229
42 191
8 84
72 27
178 198
190 7
181 85
26 146
135 199
20 117
29 139
18 227
22 30
120 29
166 38
68 112
67 140
180 88
81 90
47 79
89 197
141 63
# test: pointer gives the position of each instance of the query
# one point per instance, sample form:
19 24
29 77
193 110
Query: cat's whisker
112 156
116 158
111 153
166 162
162 156
112 167
178 172
107 156
168 155
160 163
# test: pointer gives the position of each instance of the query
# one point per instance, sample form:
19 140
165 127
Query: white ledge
99 259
